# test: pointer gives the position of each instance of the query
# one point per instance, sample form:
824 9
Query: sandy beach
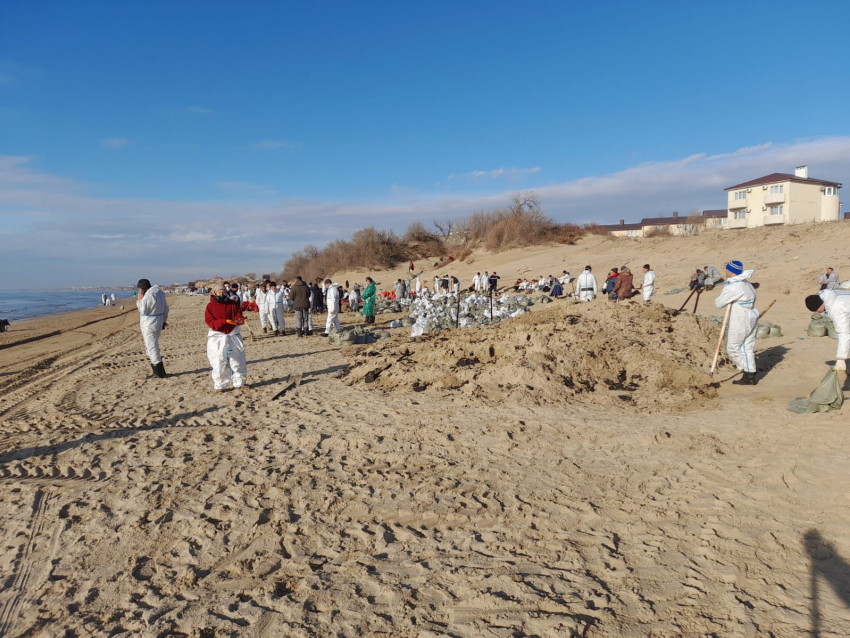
134 506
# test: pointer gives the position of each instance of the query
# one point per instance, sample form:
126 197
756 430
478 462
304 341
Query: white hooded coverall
648 287
260 300
268 309
838 310
277 300
332 300
225 350
743 320
586 286
153 312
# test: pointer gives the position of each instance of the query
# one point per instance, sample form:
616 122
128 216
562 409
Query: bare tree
444 228
525 202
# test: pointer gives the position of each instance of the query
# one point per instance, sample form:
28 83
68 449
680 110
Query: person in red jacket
224 340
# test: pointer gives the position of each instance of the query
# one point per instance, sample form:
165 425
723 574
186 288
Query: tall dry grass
521 224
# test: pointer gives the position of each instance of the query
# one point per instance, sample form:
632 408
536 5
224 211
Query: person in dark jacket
225 347
611 283
301 304
493 281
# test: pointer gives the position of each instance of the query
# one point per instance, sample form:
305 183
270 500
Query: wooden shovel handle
720 340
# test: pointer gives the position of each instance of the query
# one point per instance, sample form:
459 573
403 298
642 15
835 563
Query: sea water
15 306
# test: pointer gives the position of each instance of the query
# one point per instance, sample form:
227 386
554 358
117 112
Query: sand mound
616 355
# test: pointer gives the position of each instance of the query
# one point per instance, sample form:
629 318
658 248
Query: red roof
782 177
715 213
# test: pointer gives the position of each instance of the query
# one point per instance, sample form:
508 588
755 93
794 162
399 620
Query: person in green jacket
369 301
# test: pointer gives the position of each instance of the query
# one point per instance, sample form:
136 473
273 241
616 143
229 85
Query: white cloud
496 173
62 243
265 145
114 142
199 110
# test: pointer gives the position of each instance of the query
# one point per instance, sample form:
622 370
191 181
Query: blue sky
182 139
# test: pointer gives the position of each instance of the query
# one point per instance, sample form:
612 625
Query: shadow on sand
828 566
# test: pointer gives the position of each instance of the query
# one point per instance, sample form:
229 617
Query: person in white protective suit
354 299
743 320
260 300
225 348
836 305
417 285
565 279
276 300
586 286
648 285
476 281
269 306
246 294
437 281
332 300
112 298
153 315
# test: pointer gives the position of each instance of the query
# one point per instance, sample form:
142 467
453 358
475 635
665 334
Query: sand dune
143 507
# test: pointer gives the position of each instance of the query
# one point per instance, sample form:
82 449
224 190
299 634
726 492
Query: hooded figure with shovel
739 298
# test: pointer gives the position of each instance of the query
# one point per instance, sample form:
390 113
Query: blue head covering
735 267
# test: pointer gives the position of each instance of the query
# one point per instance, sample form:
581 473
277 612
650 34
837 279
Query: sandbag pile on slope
628 355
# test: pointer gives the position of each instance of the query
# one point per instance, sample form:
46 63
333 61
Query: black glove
164 325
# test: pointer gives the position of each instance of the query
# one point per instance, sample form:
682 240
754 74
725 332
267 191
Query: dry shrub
463 253
368 248
658 231
522 223
694 224
594 229
422 242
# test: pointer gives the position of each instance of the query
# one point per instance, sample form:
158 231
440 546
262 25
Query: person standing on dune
153 315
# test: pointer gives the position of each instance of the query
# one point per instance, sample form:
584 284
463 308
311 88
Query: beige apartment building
782 198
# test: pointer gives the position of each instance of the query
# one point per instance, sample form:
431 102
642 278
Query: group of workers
619 284
223 314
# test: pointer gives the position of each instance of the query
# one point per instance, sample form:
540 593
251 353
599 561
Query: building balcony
774 198
737 223
773 220
737 203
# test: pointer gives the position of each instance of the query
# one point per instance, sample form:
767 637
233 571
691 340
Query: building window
777 189
724 221
740 214
631 233
740 194
829 191
777 210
